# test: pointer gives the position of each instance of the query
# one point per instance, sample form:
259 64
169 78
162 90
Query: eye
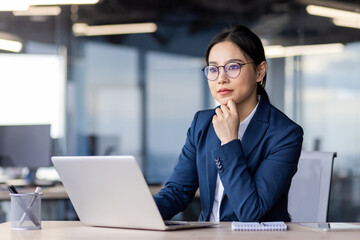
213 69
233 66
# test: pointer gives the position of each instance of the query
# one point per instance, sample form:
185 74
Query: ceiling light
22 5
347 23
10 42
14 5
339 17
331 12
314 49
278 51
274 51
39 11
61 2
11 46
82 29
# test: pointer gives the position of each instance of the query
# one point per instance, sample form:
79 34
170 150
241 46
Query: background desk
58 192
76 230
56 204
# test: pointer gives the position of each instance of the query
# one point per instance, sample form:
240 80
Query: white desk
57 230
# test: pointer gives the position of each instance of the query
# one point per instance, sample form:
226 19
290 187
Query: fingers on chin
214 120
231 104
218 111
225 110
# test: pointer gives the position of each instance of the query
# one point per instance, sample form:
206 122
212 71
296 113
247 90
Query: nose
222 78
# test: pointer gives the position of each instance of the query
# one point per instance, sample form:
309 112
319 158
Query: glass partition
324 96
174 94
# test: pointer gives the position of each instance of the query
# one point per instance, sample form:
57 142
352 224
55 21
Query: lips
224 91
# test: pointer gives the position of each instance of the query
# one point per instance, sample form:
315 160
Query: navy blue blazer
256 172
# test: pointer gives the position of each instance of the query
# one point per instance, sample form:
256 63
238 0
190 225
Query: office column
297 89
275 84
143 106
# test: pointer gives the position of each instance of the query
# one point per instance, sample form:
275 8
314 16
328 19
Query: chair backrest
310 187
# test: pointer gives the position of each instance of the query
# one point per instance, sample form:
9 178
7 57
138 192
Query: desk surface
73 230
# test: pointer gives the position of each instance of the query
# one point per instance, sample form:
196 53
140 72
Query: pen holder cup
26 211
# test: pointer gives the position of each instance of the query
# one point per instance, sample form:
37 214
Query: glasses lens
232 69
211 72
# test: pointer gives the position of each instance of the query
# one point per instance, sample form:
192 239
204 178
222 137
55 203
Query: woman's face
241 89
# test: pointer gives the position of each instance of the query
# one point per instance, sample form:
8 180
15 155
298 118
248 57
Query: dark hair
248 42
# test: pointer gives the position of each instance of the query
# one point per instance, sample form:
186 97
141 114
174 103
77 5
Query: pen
23 206
12 189
37 190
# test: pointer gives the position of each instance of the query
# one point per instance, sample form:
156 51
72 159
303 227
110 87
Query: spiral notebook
256 226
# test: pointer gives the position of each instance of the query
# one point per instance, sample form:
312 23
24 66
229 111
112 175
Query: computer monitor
25 146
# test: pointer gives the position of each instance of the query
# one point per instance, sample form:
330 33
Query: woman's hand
226 122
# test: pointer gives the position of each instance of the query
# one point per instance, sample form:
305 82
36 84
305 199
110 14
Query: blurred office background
136 93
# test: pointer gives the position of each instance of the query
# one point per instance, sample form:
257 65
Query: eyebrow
230 60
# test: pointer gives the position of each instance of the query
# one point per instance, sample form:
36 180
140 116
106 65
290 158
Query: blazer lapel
211 143
257 127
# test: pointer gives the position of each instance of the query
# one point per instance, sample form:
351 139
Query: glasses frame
218 70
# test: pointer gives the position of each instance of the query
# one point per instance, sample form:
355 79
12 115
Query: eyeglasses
232 70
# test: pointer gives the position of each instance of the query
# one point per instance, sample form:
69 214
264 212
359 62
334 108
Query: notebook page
256 226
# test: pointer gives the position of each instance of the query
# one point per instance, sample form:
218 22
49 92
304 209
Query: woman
242 155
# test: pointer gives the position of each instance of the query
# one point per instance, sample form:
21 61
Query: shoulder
277 116
204 117
282 134
274 117
279 126
200 124
280 120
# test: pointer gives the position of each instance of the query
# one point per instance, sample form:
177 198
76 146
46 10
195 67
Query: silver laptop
110 191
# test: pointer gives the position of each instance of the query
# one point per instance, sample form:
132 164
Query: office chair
310 187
